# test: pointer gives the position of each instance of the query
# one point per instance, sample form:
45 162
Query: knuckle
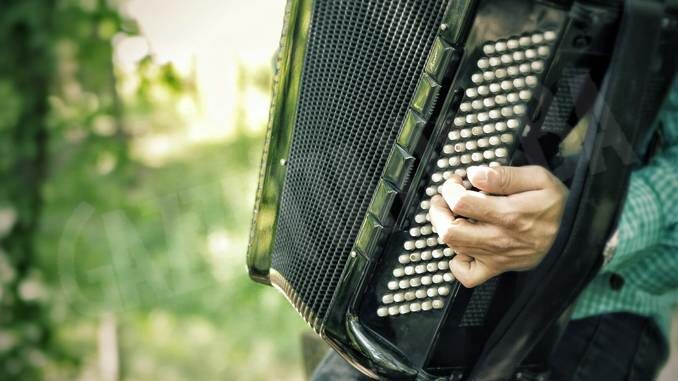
562 191
505 178
459 222
527 264
538 172
469 282
435 200
502 244
494 176
462 251
501 260
460 204
446 234
549 180
455 179
532 264
542 172
511 219
449 184
552 229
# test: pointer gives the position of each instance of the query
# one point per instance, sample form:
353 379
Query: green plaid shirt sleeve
650 211
646 257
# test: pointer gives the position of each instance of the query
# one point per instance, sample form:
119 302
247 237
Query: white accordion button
537 38
531 81
500 46
544 51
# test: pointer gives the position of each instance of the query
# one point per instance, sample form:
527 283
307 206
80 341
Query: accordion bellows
377 103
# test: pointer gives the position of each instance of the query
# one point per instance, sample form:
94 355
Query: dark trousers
607 347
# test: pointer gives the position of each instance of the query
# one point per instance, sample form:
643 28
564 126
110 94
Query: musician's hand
510 228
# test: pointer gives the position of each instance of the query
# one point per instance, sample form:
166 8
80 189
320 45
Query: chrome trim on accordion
281 284
288 67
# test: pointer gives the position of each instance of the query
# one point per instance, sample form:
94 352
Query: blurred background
130 140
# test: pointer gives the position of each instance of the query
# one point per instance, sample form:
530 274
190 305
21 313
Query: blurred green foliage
93 236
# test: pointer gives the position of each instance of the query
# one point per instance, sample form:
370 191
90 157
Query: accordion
377 103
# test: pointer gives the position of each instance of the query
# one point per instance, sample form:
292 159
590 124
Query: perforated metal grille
362 65
476 310
563 105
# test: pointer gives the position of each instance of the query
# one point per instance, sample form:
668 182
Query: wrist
610 247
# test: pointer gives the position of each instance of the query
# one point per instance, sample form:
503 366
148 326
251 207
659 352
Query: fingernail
477 174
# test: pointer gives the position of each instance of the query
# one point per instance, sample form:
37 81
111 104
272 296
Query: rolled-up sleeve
650 212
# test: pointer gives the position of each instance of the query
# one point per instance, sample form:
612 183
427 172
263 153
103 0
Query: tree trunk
25 77
109 353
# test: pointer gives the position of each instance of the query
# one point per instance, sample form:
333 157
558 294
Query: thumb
469 271
509 180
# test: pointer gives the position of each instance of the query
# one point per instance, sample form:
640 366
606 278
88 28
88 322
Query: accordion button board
483 133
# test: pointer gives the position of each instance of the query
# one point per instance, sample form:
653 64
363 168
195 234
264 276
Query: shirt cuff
640 224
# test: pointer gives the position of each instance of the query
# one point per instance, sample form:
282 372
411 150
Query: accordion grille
362 64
